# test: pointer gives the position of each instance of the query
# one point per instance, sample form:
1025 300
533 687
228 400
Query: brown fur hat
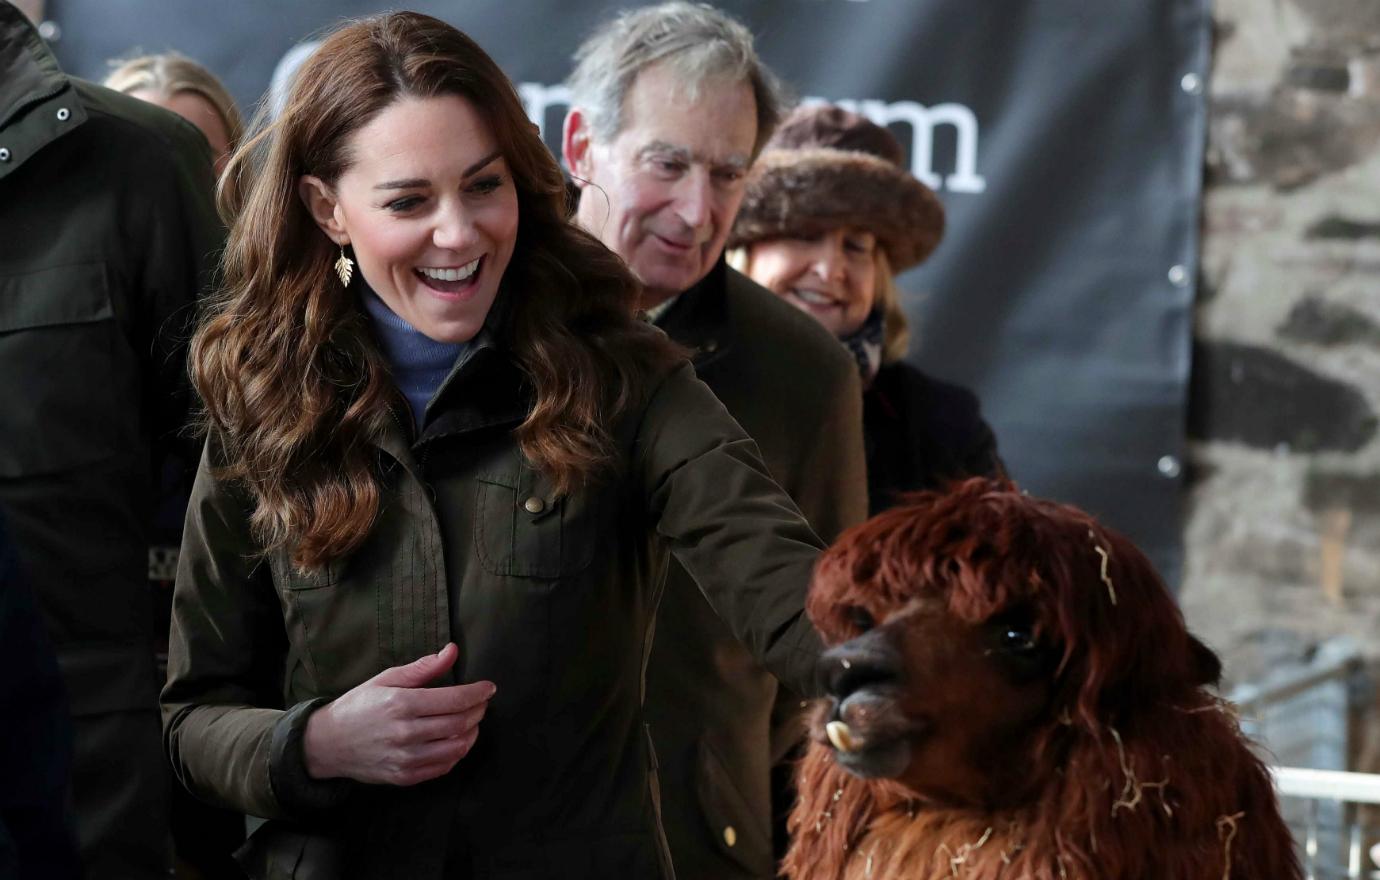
825 168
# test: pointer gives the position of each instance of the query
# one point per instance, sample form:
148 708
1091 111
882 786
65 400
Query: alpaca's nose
866 662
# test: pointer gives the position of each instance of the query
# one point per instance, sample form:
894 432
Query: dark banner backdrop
1065 138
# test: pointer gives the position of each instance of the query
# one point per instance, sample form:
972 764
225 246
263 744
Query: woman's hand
393 730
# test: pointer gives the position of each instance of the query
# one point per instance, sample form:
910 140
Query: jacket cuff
294 789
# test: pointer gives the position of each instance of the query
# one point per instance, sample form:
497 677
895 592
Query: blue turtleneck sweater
419 363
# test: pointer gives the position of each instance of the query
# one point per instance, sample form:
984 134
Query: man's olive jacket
796 391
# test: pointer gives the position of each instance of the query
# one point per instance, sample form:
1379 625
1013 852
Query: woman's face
831 277
430 209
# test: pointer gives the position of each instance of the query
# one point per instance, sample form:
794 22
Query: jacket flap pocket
533 532
75 294
289 577
69 373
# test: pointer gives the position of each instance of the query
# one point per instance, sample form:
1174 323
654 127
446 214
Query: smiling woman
429 208
416 644
829 214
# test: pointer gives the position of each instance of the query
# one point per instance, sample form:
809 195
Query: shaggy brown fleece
1128 767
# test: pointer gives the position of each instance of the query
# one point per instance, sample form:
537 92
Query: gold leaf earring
344 267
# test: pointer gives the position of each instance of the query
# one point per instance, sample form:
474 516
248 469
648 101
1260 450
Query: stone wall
1283 533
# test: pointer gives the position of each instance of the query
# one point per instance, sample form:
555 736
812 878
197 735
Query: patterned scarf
866 345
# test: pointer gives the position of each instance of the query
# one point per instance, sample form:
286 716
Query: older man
670 106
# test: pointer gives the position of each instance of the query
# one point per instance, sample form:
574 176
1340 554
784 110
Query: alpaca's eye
1018 639
1014 640
860 618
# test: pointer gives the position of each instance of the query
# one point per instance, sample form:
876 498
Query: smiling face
832 277
428 206
664 191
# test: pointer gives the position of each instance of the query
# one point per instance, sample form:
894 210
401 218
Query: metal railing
1303 713
1320 838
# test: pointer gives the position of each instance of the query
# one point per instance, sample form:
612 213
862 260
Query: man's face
671 180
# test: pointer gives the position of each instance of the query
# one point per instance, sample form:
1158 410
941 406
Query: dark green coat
107 233
37 837
552 601
796 392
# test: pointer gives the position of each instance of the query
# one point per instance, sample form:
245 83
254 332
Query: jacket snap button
709 348
534 505
63 114
730 835
4 154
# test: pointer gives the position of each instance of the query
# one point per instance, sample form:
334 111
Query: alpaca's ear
1204 664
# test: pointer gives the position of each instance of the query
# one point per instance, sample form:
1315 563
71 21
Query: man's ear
324 208
576 146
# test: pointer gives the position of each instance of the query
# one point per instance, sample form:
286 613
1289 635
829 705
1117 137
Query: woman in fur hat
830 217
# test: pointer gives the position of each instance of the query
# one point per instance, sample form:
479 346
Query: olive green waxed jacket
551 598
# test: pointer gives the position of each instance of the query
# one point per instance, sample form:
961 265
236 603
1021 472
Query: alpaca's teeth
840 736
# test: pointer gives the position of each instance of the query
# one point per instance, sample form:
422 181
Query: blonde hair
171 73
895 324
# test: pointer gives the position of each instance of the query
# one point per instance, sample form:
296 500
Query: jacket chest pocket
524 529
58 409
325 627
292 581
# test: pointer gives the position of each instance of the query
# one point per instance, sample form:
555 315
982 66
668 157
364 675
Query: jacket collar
699 319
485 388
38 103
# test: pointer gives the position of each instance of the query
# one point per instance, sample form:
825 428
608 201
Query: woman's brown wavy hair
293 384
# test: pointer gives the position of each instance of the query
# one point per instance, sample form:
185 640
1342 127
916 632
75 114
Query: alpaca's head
974 632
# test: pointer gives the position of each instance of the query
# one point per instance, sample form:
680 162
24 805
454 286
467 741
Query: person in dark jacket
443 451
830 216
108 232
37 839
670 105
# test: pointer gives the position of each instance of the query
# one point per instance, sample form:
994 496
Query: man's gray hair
699 42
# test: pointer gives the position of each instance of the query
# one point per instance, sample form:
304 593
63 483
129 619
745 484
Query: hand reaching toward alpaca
395 731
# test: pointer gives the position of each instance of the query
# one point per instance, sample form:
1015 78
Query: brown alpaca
1015 696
